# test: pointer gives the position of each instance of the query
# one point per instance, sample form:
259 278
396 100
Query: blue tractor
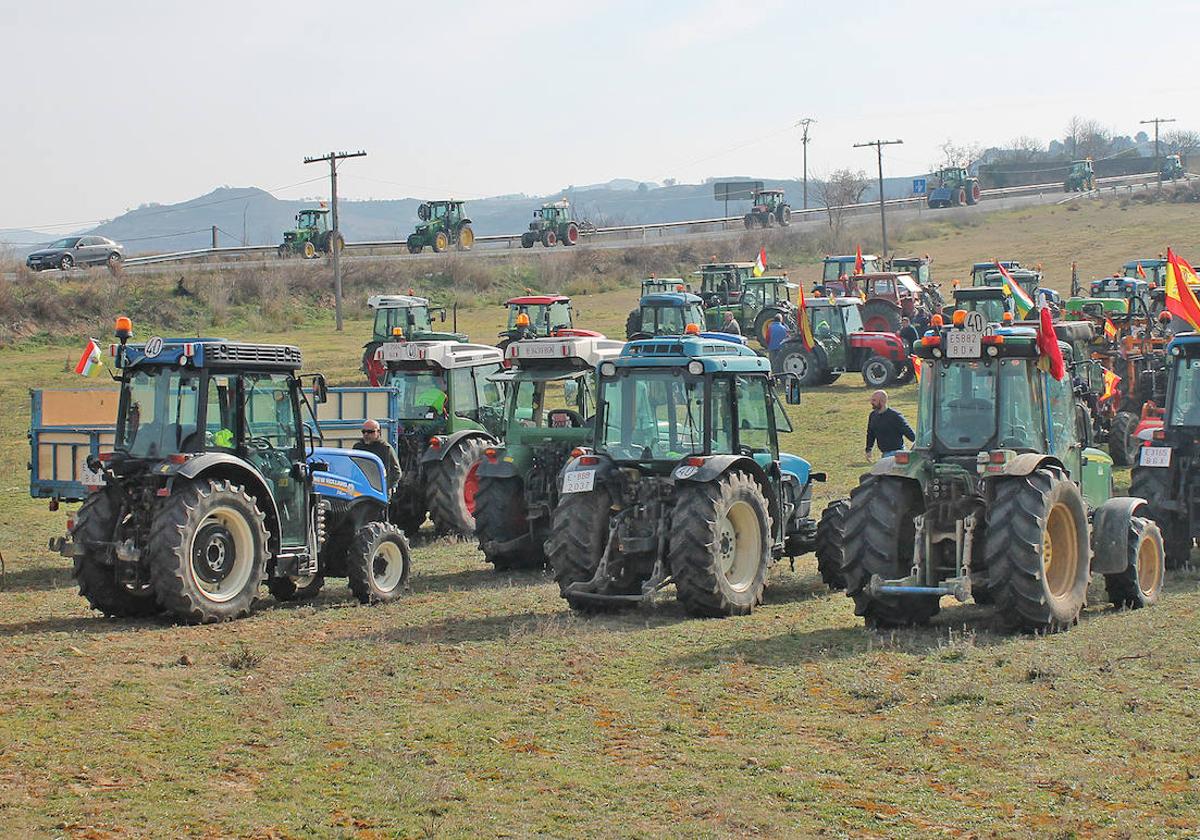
684 484
664 313
210 483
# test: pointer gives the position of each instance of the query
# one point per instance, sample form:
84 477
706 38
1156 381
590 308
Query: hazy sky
111 105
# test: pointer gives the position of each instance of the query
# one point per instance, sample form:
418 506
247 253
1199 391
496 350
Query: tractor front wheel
379 563
878 372
960 197
415 247
1157 485
310 250
549 238
441 242
1036 551
283 252
451 485
1122 444
831 543
1141 582
528 240
94 530
466 238
500 522
208 552
720 545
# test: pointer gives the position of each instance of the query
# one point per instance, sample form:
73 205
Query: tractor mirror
789 383
320 389
443 315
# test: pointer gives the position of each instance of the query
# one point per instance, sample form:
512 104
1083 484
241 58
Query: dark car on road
77 250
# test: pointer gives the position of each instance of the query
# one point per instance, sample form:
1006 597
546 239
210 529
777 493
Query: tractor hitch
959 587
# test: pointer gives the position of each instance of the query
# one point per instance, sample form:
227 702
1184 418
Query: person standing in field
777 334
886 426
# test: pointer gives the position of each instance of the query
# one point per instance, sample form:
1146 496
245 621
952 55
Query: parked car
76 250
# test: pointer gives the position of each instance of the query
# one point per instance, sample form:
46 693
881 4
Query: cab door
270 440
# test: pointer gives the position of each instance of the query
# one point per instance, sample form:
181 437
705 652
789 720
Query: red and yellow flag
1047 342
760 263
858 260
802 324
1110 385
916 363
1110 329
1181 300
1141 272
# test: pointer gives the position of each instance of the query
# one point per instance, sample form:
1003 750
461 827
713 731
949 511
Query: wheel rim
795 363
442 241
1060 551
467 238
387 566
739 546
222 554
1149 567
572 235
67 262
309 250
471 488
875 373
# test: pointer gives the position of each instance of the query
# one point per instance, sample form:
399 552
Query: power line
1157 159
334 236
805 123
879 144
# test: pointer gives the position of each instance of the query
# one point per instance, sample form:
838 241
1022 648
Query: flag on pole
1110 329
1181 300
1110 385
760 263
89 362
858 260
916 363
1024 303
1047 342
1141 272
802 324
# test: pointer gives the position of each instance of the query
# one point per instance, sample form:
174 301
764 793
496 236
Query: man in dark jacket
908 334
374 443
886 426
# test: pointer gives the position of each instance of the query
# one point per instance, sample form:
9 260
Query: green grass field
479 706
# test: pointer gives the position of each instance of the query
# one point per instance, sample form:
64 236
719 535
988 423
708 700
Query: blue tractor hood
796 466
352 474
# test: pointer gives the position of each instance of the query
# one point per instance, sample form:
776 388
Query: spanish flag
1110 385
1141 272
1181 300
760 263
1110 330
1047 342
916 363
802 324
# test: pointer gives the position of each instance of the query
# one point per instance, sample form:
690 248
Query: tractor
1153 270
762 298
685 483
722 283
549 412
401 316
770 207
1167 469
995 500
1126 290
664 313
1172 168
888 297
980 271
837 273
539 316
654 284
1081 177
551 225
442 407
918 268
1030 281
311 235
841 346
443 223
212 485
955 189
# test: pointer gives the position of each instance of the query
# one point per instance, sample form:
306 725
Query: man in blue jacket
777 334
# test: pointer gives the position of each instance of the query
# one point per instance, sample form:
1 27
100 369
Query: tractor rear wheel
762 323
785 216
379 563
208 551
500 518
831 543
94 530
805 365
880 533
549 238
974 194
528 239
768 220
451 485
1155 485
960 197
572 237
578 538
1141 582
289 588
466 238
1036 551
881 316
1122 445
441 242
719 549
878 372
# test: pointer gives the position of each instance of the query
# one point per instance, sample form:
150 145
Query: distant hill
249 215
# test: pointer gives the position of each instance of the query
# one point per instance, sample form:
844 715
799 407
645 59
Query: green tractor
955 189
447 408
549 412
1081 177
401 317
770 207
762 298
685 483
443 223
1172 168
723 282
551 225
995 500
311 236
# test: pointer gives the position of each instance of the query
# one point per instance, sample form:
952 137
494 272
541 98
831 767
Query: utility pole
804 124
879 144
333 158
1157 161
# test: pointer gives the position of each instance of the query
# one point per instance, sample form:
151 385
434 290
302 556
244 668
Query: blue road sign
918 186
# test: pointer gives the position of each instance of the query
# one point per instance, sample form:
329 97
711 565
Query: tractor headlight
695 368
608 369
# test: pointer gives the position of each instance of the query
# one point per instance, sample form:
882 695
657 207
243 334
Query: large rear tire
500 518
379 563
880 533
1156 485
449 490
578 536
1122 445
881 316
208 552
1141 582
785 216
806 366
466 238
94 530
719 549
1036 551
572 237
831 543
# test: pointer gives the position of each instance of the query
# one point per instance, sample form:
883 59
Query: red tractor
889 296
841 345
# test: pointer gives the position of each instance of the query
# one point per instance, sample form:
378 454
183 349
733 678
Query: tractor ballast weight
552 225
551 387
312 235
955 189
684 484
769 207
995 499
401 317
444 223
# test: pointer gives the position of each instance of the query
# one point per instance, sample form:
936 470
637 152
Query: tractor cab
551 214
1082 176
665 313
990 301
981 270
723 282
442 385
539 316
915 267
401 318
1152 270
651 285
315 220
838 268
767 201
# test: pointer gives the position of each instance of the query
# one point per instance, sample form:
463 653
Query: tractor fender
233 468
463 222
431 455
1027 462
888 345
1110 534
500 468
715 466
888 466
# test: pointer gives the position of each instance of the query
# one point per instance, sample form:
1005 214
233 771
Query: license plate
580 481
1155 456
963 344
90 478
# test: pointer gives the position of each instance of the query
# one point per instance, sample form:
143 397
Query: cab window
753 412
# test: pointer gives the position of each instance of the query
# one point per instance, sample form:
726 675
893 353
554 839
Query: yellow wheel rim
1060 551
310 250
442 241
1149 567
467 238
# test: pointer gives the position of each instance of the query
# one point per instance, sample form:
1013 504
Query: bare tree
1024 149
840 188
1181 142
954 155
1086 138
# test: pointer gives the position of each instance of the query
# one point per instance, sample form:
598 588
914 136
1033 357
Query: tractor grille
282 355
676 348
